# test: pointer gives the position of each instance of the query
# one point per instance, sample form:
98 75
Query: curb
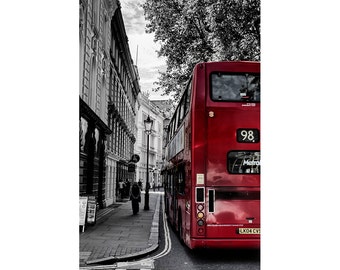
153 243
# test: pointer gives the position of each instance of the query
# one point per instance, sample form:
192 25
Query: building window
105 34
92 89
109 141
82 132
96 13
103 98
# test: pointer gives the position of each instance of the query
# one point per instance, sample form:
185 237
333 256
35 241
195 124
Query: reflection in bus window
244 162
181 180
235 87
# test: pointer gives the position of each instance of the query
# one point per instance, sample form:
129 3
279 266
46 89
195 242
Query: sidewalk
119 235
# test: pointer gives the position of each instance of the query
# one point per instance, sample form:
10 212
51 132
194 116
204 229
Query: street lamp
148 127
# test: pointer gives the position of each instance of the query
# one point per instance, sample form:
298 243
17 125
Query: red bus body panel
209 132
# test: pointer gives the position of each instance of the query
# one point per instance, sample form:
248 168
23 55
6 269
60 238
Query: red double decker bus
212 169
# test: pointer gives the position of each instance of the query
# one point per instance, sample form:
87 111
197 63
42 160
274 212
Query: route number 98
247 135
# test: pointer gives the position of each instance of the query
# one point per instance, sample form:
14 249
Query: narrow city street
179 112
172 255
169 135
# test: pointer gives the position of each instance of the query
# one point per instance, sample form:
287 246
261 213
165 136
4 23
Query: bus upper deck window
235 87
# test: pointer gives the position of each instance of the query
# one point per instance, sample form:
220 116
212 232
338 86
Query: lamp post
148 127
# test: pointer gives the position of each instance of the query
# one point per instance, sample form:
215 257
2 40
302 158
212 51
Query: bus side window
169 133
181 111
176 120
188 98
172 128
181 180
171 184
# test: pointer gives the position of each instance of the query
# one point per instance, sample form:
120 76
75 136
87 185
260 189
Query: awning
84 109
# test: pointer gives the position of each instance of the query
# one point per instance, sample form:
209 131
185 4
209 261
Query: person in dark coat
140 184
135 198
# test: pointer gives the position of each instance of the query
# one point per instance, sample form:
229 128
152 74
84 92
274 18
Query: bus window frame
232 73
183 106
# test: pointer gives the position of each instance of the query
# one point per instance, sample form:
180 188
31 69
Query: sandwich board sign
82 211
91 210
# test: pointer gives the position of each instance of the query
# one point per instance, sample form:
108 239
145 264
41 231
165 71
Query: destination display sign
248 135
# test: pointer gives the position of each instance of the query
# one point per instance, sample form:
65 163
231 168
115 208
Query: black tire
180 230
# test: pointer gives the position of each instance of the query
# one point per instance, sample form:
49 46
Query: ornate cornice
111 6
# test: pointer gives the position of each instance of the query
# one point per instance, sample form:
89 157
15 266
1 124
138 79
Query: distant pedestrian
135 198
127 187
121 188
140 184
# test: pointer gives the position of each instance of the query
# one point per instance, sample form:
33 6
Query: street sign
131 167
135 158
91 210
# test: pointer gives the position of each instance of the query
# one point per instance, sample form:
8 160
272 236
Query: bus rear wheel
180 230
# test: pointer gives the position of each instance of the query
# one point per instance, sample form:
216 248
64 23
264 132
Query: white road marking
167 246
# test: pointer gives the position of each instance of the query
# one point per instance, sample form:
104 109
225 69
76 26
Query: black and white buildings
108 91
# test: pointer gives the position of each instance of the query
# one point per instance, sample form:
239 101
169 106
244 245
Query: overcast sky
147 61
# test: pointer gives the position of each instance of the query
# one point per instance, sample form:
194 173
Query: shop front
92 153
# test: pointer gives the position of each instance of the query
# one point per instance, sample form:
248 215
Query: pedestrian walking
135 198
127 187
121 188
140 184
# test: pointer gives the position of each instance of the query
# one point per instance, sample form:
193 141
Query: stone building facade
157 111
108 90
123 103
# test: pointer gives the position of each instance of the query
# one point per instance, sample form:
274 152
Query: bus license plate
249 230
